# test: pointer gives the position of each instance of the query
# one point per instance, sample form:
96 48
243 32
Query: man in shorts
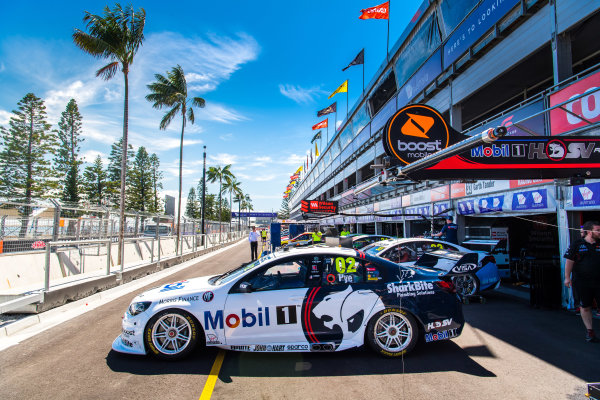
582 272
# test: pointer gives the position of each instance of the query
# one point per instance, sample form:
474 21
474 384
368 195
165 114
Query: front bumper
131 339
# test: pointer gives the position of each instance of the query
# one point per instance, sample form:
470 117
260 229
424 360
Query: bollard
108 246
47 271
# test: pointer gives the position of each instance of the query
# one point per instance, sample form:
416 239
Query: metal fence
28 227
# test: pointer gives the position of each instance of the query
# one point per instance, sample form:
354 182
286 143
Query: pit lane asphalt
507 351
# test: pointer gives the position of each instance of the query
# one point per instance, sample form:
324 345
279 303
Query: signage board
530 200
521 157
253 214
491 204
587 107
586 195
319 206
531 125
474 26
466 207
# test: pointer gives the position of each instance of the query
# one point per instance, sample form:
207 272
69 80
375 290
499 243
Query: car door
270 313
337 310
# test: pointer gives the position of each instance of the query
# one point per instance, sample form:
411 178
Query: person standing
582 273
263 236
450 230
316 236
253 238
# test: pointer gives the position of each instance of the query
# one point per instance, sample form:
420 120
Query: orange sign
440 193
457 190
417 125
406 200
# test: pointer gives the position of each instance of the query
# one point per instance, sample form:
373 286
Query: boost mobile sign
418 131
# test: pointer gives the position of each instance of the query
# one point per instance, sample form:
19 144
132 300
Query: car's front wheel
392 332
466 285
171 334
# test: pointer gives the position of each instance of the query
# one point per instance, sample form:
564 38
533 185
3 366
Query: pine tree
212 208
25 156
140 190
95 182
284 213
114 170
66 161
191 209
156 177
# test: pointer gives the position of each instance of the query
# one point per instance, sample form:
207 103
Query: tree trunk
220 205
180 172
123 170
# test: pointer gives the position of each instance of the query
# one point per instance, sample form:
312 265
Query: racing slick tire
392 332
171 334
466 285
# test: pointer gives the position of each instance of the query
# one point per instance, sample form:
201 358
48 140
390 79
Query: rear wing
450 262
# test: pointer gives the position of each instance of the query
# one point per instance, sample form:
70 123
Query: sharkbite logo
414 132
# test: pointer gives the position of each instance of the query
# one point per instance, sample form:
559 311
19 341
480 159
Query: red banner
517 183
322 124
587 107
381 11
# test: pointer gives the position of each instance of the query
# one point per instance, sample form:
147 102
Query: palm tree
218 174
116 36
171 91
248 206
233 186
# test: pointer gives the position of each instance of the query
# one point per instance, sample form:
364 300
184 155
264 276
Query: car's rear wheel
392 332
466 285
171 334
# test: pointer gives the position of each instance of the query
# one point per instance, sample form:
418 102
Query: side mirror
245 287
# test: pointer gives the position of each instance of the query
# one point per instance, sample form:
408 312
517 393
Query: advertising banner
587 107
318 206
253 214
517 183
477 23
457 190
484 187
533 125
440 193
586 195
530 200
419 81
466 207
521 157
440 209
491 204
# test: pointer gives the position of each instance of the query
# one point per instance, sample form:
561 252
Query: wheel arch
200 332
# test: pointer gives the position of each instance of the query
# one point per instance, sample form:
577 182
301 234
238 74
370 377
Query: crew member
316 236
582 272
344 232
263 235
253 239
450 230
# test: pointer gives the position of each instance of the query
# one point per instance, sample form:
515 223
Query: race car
315 299
360 241
304 239
408 250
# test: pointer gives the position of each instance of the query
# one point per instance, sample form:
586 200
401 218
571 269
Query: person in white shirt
253 238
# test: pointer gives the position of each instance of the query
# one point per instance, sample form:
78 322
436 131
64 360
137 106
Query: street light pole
203 194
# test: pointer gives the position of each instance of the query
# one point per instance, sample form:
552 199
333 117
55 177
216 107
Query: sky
264 68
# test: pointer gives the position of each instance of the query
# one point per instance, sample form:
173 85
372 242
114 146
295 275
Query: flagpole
387 49
327 130
346 104
363 74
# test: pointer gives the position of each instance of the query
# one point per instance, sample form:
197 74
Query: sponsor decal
491 204
127 332
443 335
240 348
247 319
491 151
174 286
405 273
212 339
410 289
439 324
464 268
188 299
286 315
127 342
208 296
530 200
331 278
586 195
466 207
297 347
587 107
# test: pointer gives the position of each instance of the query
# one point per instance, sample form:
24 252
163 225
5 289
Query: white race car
306 299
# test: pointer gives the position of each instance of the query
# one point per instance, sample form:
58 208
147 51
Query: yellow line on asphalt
212 378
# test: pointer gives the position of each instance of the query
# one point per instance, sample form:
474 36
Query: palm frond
166 120
108 71
190 115
198 102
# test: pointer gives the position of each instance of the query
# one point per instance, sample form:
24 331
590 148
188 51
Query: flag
289 187
293 182
293 177
342 89
381 11
287 191
328 110
316 151
322 124
285 196
311 159
298 170
358 60
316 137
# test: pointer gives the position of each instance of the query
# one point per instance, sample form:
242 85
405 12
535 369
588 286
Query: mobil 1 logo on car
417 131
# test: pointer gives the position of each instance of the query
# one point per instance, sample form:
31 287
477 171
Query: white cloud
293 159
89 156
2 67
223 159
227 137
219 113
5 117
299 94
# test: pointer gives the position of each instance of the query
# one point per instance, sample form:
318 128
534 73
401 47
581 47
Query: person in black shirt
582 272
450 230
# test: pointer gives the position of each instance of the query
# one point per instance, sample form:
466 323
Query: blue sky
264 69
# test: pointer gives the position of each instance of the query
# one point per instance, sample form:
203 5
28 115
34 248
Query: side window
392 254
341 270
359 244
286 274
